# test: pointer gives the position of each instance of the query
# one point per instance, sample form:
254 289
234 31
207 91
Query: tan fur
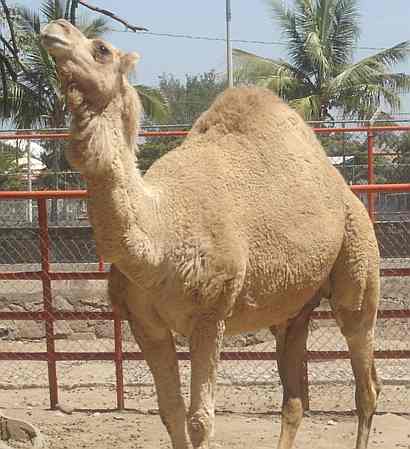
245 225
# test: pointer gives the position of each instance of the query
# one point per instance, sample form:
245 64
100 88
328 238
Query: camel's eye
103 49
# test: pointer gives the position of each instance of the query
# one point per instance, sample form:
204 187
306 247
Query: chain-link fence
57 329
58 334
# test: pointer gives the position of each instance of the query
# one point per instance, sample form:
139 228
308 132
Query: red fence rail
369 130
49 315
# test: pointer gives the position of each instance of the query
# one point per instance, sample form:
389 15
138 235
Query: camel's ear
128 62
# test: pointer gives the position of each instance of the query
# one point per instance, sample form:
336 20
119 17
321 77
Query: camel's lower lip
53 41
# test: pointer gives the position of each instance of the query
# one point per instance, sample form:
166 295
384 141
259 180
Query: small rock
31 330
82 336
65 409
61 303
32 404
331 422
62 330
20 431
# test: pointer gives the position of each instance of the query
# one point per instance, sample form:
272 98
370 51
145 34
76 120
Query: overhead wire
222 39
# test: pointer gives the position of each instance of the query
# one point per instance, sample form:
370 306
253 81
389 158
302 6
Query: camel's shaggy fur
246 225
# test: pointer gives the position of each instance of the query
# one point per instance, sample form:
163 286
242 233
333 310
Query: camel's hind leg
354 297
358 329
291 343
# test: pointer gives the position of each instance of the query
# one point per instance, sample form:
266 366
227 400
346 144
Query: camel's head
91 70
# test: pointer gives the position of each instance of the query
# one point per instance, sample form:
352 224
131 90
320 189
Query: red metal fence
49 315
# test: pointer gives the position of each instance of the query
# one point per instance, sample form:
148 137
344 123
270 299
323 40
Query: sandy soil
139 427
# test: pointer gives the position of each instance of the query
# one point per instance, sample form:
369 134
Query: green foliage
9 176
154 104
391 156
189 98
154 148
185 100
320 77
400 172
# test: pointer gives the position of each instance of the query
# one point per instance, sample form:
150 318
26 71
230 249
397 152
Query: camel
245 226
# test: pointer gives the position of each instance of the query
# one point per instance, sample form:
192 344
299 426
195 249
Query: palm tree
35 97
320 77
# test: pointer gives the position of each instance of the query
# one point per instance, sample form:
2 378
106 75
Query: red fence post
47 300
370 173
305 382
119 373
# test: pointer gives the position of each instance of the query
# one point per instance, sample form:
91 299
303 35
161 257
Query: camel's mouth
53 42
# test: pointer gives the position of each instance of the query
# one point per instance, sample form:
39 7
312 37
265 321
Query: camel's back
252 161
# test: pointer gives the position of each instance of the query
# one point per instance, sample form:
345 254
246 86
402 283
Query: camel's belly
248 315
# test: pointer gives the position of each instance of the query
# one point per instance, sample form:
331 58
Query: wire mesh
83 332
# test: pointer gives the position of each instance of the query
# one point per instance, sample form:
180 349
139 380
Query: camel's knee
292 411
367 393
172 413
200 426
366 401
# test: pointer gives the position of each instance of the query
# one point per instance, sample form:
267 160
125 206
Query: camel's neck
121 207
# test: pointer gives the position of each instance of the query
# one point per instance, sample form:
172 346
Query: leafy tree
189 98
34 97
400 172
9 168
186 100
320 77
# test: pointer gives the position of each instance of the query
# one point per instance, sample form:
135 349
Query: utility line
221 39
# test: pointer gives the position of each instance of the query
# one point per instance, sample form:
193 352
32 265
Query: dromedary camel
246 225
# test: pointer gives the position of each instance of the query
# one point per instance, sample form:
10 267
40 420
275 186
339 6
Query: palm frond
28 21
391 56
250 68
397 82
290 25
317 54
53 9
5 91
371 68
363 101
153 102
95 28
345 30
308 107
283 78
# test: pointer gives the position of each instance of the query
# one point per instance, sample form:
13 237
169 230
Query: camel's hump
241 110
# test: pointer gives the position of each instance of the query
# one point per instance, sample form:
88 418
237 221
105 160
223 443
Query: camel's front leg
160 355
205 346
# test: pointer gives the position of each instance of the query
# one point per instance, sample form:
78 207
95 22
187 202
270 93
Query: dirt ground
139 427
